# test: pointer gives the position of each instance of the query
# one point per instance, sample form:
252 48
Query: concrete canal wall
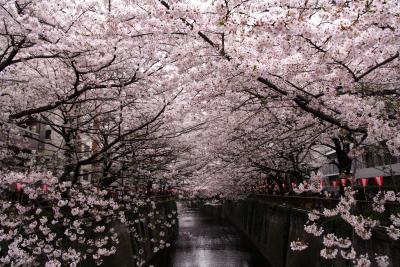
129 246
272 226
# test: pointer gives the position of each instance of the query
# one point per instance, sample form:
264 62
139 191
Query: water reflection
207 242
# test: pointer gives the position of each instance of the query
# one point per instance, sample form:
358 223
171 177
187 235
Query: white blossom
329 253
362 261
314 229
298 245
382 261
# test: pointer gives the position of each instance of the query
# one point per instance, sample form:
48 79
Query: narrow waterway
207 242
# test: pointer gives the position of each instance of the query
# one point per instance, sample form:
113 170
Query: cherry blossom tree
215 92
329 66
86 71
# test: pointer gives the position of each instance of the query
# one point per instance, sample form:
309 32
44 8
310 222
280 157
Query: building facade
372 163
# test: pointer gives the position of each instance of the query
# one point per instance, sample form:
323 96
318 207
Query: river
204 241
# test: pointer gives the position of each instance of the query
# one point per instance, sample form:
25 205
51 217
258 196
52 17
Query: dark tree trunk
344 162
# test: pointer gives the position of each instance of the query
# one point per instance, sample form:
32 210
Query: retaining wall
129 246
271 227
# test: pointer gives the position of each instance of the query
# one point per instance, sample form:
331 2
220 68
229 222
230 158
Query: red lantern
334 183
343 181
364 182
45 187
379 180
283 186
18 187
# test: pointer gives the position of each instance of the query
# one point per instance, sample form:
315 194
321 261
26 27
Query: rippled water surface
207 242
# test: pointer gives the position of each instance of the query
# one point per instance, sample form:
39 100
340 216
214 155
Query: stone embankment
129 246
271 224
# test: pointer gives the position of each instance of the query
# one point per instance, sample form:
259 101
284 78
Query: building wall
39 138
369 165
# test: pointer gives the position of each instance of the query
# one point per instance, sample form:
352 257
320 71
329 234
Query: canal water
204 241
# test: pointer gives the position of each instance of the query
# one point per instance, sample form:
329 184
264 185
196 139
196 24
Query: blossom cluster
67 224
362 226
313 186
298 245
379 201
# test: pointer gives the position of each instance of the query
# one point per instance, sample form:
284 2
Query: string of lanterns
335 183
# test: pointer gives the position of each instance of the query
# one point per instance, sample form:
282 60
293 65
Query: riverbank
272 226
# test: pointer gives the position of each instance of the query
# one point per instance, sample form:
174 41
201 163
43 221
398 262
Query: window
379 158
390 159
85 176
47 134
369 158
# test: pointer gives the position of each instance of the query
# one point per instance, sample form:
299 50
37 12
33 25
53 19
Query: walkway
207 242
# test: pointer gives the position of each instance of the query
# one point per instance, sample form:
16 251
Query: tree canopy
211 94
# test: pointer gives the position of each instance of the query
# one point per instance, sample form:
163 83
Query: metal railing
308 203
